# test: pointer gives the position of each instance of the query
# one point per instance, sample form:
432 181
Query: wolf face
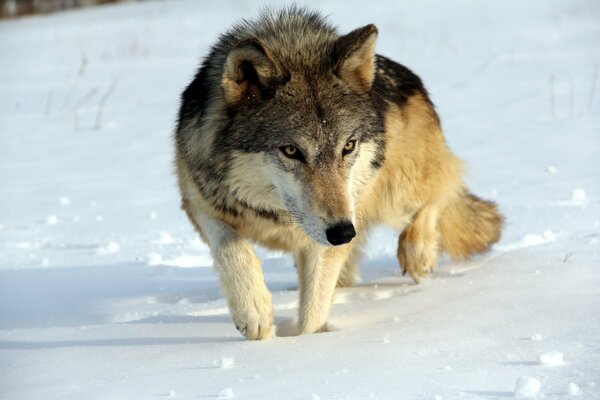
306 139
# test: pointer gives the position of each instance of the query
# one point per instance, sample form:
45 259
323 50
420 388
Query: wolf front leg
418 245
318 271
241 277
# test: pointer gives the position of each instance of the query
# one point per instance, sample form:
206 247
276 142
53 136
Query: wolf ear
249 70
354 58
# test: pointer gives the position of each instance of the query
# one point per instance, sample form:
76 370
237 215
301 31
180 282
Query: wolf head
297 120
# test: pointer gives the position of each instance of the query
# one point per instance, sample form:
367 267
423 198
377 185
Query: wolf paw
306 327
417 261
254 318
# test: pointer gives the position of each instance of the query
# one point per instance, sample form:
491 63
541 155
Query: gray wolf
298 138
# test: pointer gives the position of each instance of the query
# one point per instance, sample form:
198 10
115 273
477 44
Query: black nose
340 233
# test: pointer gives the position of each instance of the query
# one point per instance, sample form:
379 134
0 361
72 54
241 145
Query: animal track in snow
353 294
529 240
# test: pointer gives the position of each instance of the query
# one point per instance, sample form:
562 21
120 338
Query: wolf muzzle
340 233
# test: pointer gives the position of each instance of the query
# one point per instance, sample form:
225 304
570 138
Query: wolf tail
469 225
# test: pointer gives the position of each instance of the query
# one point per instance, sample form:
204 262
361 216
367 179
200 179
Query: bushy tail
469 225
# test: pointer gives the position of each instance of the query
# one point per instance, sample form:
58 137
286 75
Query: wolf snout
340 233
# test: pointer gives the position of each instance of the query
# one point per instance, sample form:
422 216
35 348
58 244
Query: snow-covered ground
106 292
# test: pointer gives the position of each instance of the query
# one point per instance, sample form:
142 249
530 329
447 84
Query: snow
578 195
551 359
164 238
527 388
117 298
111 248
226 393
530 240
226 362
573 389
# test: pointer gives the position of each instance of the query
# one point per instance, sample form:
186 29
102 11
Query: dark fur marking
394 83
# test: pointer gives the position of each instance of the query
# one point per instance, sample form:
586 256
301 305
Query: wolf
297 138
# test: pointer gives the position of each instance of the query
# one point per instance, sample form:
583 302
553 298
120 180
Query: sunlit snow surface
106 292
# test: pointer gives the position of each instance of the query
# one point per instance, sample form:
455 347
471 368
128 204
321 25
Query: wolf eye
292 152
349 147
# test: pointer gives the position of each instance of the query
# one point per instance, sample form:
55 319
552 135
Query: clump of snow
315 397
52 220
573 389
188 261
26 245
530 240
551 170
164 238
99 218
172 393
64 201
551 359
535 240
527 388
154 259
226 362
578 195
226 393
153 215
438 397
536 337
385 339
111 248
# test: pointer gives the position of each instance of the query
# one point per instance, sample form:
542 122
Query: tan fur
469 225
330 194
358 69
418 169
418 243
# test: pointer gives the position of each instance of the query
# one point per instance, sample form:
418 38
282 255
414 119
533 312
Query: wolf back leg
418 245
349 274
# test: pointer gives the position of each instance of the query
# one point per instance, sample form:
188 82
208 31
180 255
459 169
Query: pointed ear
249 71
354 58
